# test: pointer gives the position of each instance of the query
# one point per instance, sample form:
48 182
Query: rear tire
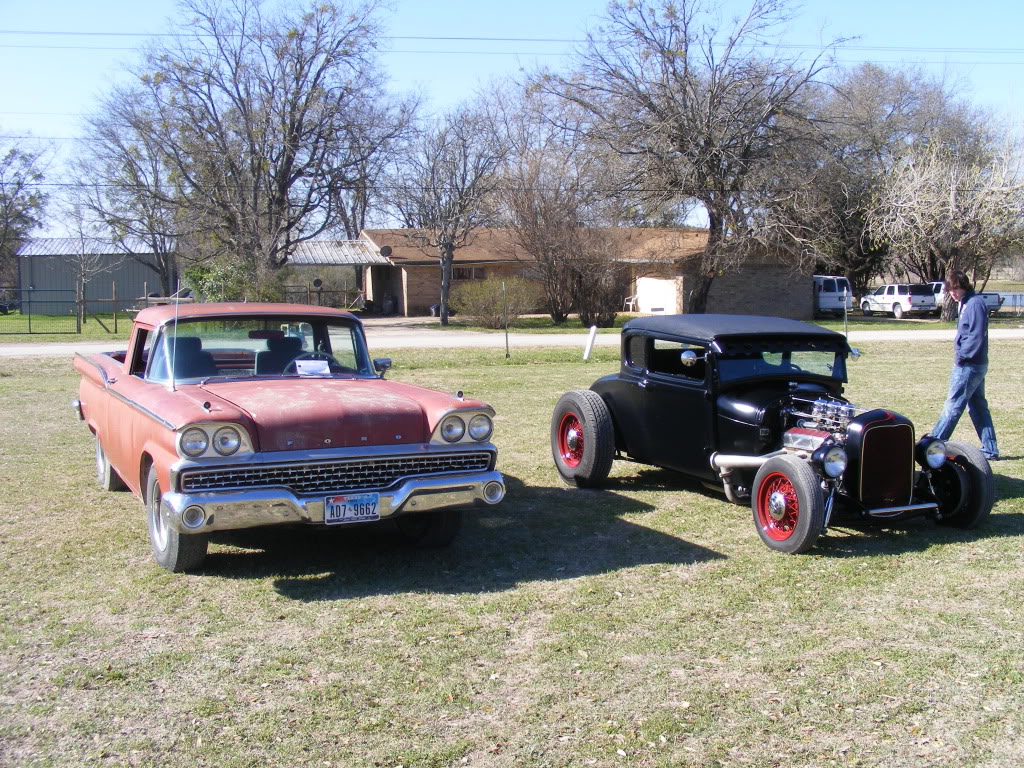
173 551
866 309
106 476
972 478
582 438
788 505
897 311
430 530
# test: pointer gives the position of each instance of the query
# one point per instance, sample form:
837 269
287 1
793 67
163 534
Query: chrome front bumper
231 510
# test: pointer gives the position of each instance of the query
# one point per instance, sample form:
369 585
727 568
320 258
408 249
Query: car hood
308 413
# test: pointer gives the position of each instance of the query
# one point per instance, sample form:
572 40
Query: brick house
658 272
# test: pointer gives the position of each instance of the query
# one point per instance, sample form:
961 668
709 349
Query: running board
906 510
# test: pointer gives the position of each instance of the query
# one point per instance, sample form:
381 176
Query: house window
469 273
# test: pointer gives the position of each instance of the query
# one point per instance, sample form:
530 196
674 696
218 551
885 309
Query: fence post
79 304
309 293
113 301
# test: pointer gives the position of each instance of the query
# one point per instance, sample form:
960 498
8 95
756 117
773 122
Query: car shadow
536 534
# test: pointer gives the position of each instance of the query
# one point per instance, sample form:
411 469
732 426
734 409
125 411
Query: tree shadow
536 534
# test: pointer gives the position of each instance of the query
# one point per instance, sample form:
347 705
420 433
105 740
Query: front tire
788 505
967 490
866 309
582 438
106 476
430 530
173 551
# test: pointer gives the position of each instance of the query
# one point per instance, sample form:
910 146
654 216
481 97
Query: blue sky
50 79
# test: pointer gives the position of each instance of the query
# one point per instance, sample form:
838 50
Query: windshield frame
358 363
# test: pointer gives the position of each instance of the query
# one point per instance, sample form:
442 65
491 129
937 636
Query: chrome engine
822 414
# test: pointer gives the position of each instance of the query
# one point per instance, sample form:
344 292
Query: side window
667 358
636 352
143 347
904 290
890 291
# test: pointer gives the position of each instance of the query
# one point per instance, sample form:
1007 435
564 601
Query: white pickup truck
992 300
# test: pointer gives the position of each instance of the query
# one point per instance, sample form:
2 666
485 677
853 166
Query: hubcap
777 505
570 440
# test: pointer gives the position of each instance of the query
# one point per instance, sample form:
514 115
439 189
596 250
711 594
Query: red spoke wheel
788 505
582 438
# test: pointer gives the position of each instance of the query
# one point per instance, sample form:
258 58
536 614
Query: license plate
354 508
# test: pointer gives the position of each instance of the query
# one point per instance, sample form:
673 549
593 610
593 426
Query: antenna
174 335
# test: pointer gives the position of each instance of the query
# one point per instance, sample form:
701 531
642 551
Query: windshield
786 359
249 347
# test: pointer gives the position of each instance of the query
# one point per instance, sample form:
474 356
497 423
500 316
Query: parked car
227 416
754 406
832 295
992 300
899 299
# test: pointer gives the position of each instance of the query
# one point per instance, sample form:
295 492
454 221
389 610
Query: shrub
495 303
225 280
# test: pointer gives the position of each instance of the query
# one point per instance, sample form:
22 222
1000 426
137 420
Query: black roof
711 327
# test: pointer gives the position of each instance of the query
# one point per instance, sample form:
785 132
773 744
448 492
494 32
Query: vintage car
228 416
754 407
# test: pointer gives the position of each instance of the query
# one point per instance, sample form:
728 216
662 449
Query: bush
225 280
495 303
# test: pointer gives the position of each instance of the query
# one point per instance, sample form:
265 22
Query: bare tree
265 125
443 190
22 202
939 211
816 195
126 186
695 108
549 192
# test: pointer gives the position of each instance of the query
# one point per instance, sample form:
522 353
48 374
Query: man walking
970 364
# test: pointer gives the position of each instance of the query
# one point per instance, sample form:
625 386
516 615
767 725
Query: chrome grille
339 475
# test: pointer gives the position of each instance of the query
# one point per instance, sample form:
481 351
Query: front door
672 407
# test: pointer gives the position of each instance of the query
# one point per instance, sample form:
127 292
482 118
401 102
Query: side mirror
688 358
855 353
382 365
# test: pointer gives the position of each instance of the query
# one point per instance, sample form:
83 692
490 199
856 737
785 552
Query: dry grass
642 625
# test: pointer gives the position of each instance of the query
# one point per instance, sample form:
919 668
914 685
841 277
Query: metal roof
73 246
335 252
712 327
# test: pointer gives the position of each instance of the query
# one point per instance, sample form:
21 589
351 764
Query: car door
674 413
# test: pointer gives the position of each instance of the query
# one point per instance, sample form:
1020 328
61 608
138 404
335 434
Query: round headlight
452 429
835 462
480 427
194 442
935 454
226 441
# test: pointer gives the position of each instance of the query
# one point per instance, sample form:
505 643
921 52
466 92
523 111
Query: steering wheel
332 364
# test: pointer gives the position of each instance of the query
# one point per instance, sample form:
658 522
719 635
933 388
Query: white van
832 295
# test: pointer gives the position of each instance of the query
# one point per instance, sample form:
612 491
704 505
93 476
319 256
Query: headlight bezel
480 436
835 461
215 441
197 433
211 448
933 454
453 420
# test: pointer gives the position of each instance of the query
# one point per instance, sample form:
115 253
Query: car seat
279 352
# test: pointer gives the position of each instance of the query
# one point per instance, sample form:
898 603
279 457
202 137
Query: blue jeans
967 390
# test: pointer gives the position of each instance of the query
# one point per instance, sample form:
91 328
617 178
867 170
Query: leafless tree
939 211
816 195
694 106
443 190
263 124
553 188
22 202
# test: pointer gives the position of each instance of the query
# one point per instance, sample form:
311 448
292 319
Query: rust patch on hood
311 413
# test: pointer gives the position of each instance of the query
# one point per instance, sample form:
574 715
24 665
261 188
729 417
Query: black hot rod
754 406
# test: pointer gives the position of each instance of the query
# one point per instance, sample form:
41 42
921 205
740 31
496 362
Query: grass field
643 625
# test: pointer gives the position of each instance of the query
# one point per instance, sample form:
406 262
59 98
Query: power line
570 41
